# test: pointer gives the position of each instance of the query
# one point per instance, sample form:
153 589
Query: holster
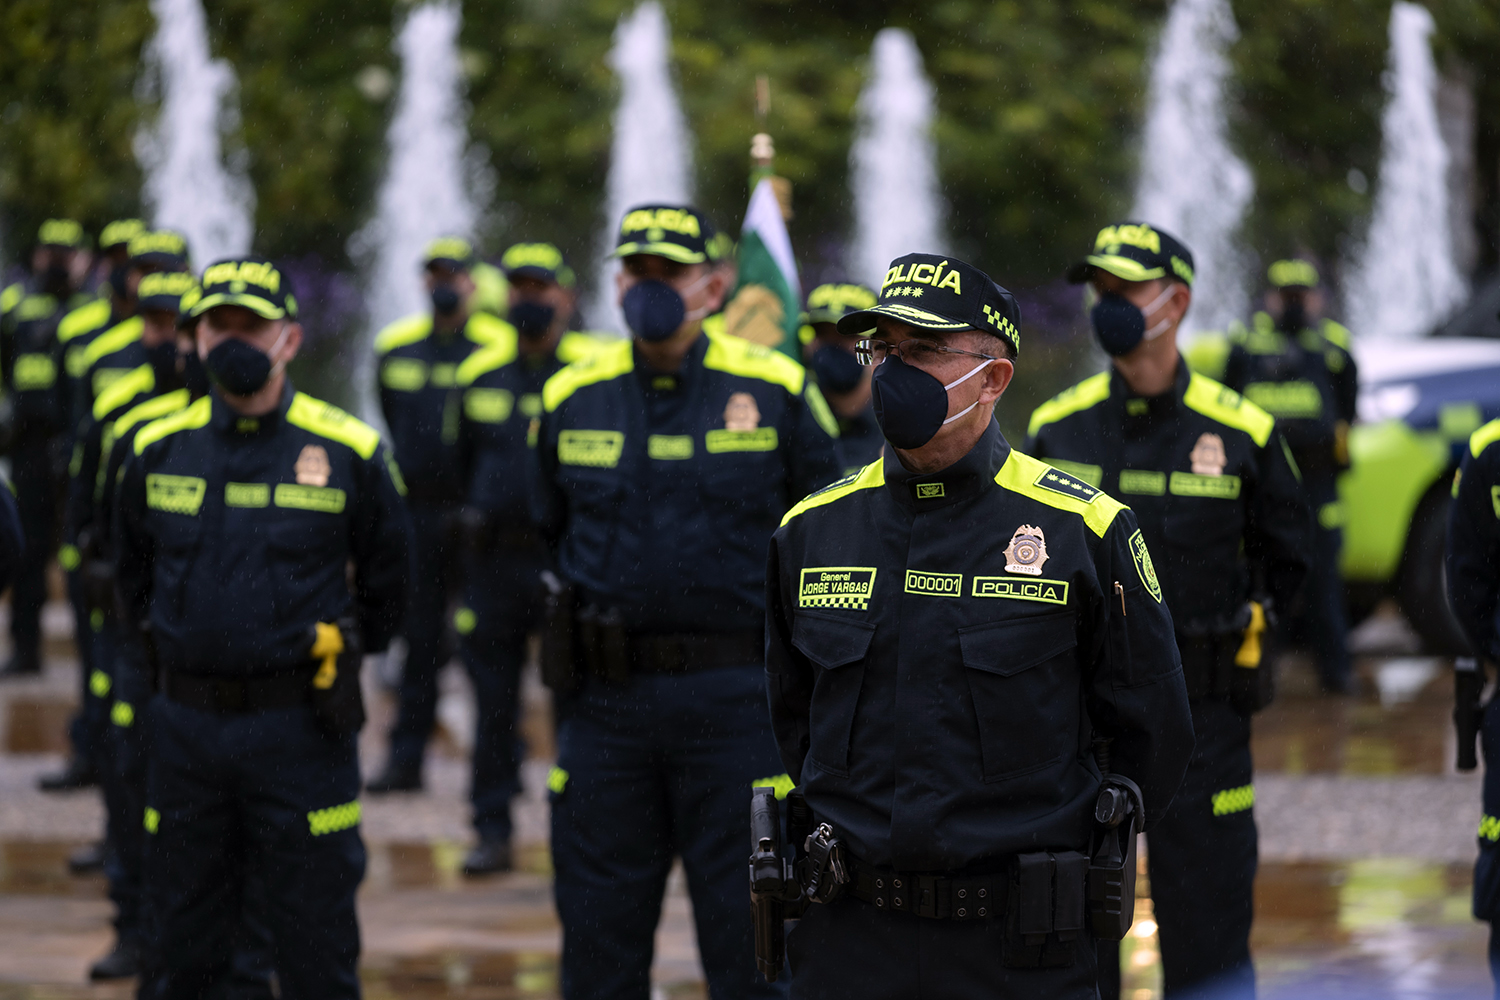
1119 814
559 669
1468 713
337 701
772 882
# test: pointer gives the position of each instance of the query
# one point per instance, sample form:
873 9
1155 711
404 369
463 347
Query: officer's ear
720 281
1182 298
291 345
996 380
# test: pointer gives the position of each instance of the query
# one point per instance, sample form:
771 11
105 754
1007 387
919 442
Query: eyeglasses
912 351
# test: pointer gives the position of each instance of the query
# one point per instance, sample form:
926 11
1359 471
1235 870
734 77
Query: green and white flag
767 305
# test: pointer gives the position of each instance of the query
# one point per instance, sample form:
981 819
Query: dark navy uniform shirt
658 493
942 649
1209 478
31 359
1473 560
418 373
234 534
860 441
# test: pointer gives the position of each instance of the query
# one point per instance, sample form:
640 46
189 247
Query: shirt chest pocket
1023 680
837 647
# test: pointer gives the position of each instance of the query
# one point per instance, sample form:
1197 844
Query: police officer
1296 366
1220 508
29 315
504 556
239 519
155 389
945 633
418 359
665 463
113 256
115 302
844 382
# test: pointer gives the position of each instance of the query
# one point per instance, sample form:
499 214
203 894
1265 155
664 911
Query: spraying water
189 185
1406 281
893 166
1191 182
651 157
427 190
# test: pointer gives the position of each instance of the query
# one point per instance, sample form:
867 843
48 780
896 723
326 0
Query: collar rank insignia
312 466
1027 551
1208 455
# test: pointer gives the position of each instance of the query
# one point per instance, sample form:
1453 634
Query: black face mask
532 320
194 375
239 368
445 300
1293 316
911 406
1118 324
163 361
653 310
837 370
117 276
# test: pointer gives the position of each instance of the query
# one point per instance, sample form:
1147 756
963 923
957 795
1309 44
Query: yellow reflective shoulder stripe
191 418
402 332
820 411
494 355
124 389
782 783
1221 403
11 296
738 356
1086 394
482 328
334 819
327 420
111 340
1233 800
151 409
609 362
1020 474
575 346
1336 334
1208 354
82 320
1484 437
869 477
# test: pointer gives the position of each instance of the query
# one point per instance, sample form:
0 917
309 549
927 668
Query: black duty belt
238 695
687 652
938 897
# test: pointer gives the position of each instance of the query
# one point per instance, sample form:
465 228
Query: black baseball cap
675 232
538 260
454 251
941 294
252 282
165 290
1293 273
60 233
120 232
831 302
160 247
1135 251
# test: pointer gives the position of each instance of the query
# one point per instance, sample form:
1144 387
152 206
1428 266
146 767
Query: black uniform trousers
1202 859
1487 867
1320 621
434 554
898 956
37 500
656 766
88 732
502 607
239 805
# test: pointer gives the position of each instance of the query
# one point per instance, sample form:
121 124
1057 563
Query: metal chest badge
1208 455
312 466
741 413
1027 551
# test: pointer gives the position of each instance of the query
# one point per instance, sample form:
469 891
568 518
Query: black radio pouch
337 701
1045 915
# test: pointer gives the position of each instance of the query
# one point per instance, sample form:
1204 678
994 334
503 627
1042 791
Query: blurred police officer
1221 509
261 544
844 382
113 256
943 632
1296 365
115 302
665 463
504 555
418 359
29 315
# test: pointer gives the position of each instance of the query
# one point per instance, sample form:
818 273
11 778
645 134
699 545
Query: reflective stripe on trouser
1487 867
1202 859
231 787
502 595
657 766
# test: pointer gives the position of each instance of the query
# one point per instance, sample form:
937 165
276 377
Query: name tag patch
1191 484
759 439
175 494
1013 588
836 587
934 584
597 449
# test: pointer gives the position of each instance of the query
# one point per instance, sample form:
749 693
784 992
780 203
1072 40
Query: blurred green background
1039 106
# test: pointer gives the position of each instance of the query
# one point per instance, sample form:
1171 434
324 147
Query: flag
767 305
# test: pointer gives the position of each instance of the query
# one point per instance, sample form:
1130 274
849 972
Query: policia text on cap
950 632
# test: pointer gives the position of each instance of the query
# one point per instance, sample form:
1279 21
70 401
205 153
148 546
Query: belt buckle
926 888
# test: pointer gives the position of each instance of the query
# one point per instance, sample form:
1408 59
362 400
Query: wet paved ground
1367 836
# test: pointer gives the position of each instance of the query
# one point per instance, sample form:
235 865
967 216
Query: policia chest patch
846 587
